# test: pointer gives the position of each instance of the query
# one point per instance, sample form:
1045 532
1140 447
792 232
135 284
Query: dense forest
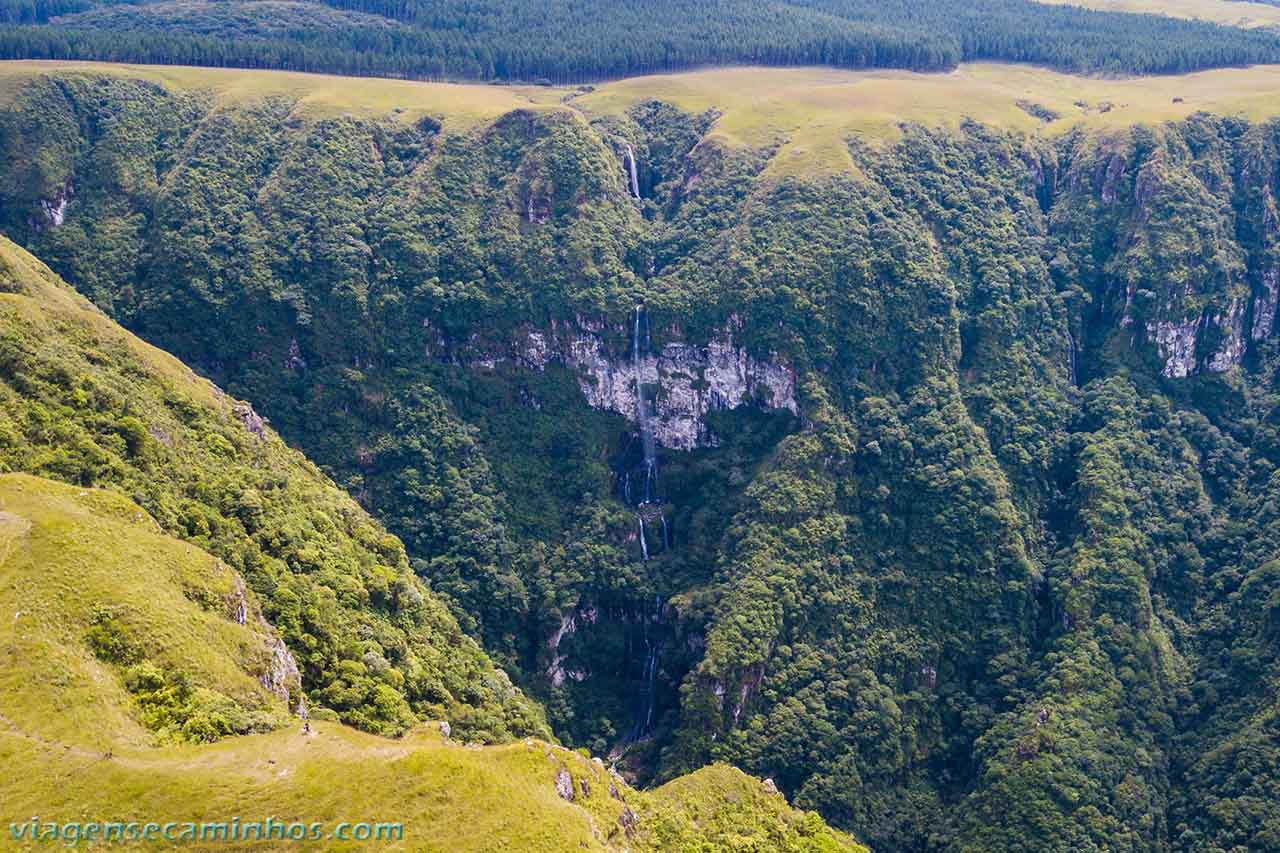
80 404
942 493
166 522
559 42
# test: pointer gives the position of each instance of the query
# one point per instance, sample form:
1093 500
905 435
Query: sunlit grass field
463 105
1234 13
812 111
808 112
73 750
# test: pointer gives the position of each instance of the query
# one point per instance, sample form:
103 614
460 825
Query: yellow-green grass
40 296
461 105
1235 13
447 797
69 555
811 112
72 750
808 112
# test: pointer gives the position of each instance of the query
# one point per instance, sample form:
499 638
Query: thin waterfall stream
647 501
639 353
647 694
632 171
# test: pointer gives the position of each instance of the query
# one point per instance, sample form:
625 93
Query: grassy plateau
808 112
1236 13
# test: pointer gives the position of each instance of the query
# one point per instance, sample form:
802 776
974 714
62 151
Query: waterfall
631 169
647 696
649 495
639 350
647 501
640 488
651 686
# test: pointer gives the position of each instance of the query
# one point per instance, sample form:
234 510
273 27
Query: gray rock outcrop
564 784
692 379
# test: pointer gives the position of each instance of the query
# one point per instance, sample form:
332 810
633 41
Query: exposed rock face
238 603
1110 182
294 360
692 379
54 210
250 419
281 676
564 784
1176 343
1264 306
537 209
556 671
1231 351
629 821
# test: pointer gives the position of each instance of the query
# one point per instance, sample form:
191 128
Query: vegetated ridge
561 43
958 519
143 684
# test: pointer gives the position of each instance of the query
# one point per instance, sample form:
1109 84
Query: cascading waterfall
631 170
642 491
647 696
639 352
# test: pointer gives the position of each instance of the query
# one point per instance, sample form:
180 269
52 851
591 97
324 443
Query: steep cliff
350 626
129 651
688 380
964 571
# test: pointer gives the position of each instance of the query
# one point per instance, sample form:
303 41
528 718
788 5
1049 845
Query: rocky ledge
685 380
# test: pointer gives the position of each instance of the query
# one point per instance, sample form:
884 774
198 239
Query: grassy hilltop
1236 13
808 112
75 747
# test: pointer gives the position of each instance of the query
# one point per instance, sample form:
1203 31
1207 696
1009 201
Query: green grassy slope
99 596
74 747
87 403
802 116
